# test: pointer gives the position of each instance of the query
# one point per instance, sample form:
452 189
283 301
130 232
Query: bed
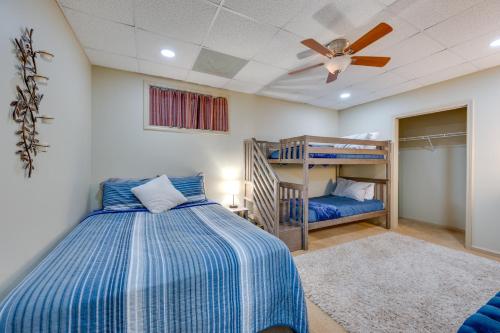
196 268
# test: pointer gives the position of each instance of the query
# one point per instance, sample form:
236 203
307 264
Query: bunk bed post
305 194
388 184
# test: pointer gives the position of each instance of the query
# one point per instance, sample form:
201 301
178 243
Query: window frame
148 127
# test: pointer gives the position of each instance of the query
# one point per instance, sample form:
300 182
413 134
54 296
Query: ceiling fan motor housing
337 46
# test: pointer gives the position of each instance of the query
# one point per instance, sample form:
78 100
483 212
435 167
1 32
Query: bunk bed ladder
261 187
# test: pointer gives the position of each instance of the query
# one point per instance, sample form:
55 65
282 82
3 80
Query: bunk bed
282 207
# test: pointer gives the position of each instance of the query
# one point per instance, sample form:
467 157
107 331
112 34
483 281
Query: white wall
482 89
432 185
122 148
37 212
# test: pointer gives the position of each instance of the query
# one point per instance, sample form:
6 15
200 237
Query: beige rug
395 283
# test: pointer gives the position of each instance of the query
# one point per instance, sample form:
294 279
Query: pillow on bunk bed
360 136
359 191
158 195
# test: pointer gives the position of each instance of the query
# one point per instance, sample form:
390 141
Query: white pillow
361 136
159 195
356 191
341 186
370 190
359 191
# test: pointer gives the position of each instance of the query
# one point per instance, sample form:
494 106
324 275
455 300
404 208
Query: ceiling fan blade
371 36
332 76
314 45
370 61
305 68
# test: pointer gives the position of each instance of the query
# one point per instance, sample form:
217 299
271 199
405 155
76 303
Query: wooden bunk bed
283 207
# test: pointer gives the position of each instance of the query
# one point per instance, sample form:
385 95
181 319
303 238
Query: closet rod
433 136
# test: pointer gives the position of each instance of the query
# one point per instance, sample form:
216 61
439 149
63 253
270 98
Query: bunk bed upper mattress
331 207
275 154
198 268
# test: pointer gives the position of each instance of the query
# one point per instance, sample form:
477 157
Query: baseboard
485 251
441 226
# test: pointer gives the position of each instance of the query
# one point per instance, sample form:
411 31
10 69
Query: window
185 110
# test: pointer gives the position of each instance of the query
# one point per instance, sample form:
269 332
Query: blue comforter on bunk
330 207
198 268
275 154
485 320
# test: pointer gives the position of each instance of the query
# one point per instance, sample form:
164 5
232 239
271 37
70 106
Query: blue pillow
193 188
117 194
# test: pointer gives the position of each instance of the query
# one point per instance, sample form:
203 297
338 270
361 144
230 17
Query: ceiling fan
339 52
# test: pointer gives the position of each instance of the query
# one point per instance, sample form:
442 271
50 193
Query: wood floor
319 322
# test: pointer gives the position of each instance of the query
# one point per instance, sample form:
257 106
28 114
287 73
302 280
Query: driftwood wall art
26 106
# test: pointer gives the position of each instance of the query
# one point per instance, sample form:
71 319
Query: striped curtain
184 109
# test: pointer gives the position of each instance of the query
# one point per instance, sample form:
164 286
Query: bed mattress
330 207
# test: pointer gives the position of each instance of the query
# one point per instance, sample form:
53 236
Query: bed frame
271 200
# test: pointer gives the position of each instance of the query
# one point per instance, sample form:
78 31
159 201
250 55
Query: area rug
395 283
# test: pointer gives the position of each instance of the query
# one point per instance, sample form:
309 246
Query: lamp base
233 206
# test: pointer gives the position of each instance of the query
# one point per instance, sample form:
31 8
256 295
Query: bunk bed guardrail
261 186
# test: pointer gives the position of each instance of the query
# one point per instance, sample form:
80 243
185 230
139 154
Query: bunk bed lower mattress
331 207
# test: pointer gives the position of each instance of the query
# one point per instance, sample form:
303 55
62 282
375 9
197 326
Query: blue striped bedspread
200 268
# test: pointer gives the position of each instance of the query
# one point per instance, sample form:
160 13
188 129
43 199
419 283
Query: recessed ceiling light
167 53
495 43
345 95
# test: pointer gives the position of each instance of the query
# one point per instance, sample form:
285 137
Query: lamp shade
232 187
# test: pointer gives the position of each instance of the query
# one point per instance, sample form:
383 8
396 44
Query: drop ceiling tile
429 65
326 19
487 62
478 47
244 87
401 30
219 64
411 50
114 10
149 46
207 79
259 73
105 59
155 69
447 74
238 36
477 21
282 51
426 13
276 12
284 95
187 20
329 103
397 89
382 81
99 34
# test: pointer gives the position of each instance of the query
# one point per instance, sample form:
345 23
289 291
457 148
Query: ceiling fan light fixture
339 63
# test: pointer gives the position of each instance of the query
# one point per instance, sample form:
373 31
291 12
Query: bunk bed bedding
331 207
196 268
275 154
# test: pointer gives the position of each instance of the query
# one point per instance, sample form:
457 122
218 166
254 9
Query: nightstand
241 211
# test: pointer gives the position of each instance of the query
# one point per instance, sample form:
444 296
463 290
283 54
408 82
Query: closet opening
432 175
